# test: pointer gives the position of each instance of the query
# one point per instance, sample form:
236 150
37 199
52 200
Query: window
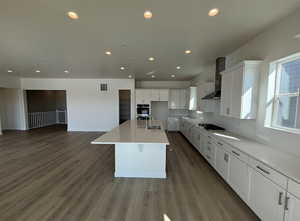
286 105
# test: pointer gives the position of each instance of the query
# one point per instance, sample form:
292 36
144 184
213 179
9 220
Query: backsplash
178 112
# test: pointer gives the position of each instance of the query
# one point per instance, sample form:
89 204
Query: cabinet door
155 95
172 99
211 153
292 208
236 92
239 178
226 94
183 101
164 95
222 162
147 93
139 99
266 198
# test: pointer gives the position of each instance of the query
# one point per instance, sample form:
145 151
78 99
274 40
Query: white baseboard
127 174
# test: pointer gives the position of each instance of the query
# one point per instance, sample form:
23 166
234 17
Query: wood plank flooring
51 175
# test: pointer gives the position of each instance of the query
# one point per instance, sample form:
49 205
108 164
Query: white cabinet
239 90
239 177
292 208
173 124
266 198
192 98
163 95
155 95
177 99
143 96
222 162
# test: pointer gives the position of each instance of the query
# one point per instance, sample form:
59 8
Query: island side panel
140 160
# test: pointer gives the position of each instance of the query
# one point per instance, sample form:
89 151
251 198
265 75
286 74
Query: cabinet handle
286 204
263 170
208 157
209 142
220 144
280 198
235 153
226 157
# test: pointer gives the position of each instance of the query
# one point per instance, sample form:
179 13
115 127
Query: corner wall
88 108
275 43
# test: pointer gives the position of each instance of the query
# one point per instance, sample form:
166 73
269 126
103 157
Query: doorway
124 105
46 108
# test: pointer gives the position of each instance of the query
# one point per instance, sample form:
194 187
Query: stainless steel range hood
220 66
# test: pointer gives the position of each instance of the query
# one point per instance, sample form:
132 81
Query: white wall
88 109
162 84
7 81
276 42
12 109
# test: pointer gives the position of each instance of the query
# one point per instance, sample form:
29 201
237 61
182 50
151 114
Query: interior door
124 105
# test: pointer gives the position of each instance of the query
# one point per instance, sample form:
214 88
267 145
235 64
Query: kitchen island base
140 160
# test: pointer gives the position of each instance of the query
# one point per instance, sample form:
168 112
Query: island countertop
135 131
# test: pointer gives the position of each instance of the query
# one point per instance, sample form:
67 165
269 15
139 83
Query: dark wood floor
49 174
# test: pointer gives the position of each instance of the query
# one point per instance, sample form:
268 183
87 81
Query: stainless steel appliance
142 111
211 127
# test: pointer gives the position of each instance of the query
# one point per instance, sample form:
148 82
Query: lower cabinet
268 193
239 177
266 199
292 208
222 163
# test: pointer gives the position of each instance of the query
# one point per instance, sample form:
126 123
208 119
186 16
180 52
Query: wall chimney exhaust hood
220 66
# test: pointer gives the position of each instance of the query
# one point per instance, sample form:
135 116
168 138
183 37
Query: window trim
277 65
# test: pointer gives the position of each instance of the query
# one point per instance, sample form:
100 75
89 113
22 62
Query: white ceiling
38 35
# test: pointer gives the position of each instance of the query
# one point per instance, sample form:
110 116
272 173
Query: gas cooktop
211 127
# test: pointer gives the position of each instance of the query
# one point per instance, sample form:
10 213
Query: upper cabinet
145 96
177 99
239 90
192 92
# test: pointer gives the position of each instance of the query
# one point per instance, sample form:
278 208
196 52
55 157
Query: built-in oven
142 110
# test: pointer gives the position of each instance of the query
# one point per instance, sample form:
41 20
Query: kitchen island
140 148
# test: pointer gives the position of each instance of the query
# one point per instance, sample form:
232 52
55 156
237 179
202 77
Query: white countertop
284 163
134 131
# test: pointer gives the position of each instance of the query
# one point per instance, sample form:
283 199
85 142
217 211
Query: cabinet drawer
273 175
223 145
240 155
294 188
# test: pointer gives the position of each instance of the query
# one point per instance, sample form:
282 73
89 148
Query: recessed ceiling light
173 75
122 68
108 52
213 12
153 76
151 59
147 14
66 71
73 15
9 71
297 36
178 67
37 71
130 76
188 51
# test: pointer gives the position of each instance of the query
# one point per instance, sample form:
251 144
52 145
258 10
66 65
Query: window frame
275 103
